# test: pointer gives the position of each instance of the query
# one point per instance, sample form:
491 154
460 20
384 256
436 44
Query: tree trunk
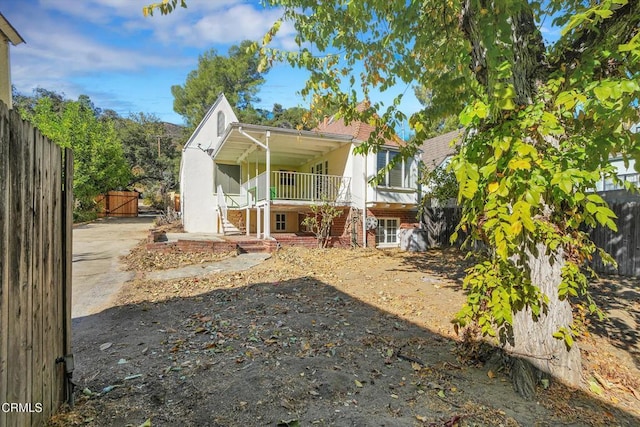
532 343
532 339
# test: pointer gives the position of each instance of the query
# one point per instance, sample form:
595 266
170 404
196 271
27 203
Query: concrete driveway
97 247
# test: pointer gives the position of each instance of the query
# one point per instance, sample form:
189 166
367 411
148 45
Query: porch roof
289 147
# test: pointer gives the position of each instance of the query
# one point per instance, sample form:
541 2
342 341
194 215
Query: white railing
222 202
298 186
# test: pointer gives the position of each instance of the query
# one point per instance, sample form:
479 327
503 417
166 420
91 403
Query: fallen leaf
147 423
595 388
358 384
105 346
634 392
490 374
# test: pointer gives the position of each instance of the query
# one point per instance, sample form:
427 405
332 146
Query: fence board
623 245
37 418
4 253
47 265
35 266
440 224
17 326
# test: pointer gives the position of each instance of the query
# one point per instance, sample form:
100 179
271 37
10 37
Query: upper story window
221 123
400 175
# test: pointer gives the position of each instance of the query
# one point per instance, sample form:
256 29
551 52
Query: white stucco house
261 181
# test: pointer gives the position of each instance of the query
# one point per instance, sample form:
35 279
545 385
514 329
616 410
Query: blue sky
107 50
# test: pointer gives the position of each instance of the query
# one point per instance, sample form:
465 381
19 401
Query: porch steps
252 246
229 229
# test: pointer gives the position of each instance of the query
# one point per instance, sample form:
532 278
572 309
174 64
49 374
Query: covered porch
281 168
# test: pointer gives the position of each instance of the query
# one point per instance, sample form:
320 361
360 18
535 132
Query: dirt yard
330 338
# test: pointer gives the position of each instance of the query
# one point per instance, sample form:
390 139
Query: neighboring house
262 181
614 192
8 34
437 151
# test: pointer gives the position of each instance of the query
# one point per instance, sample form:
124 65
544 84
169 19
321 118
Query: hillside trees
236 75
545 117
99 163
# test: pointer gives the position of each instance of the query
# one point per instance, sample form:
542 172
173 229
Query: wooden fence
623 245
118 203
35 272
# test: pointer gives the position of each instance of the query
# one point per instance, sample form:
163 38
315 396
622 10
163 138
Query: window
387 231
281 223
221 124
400 174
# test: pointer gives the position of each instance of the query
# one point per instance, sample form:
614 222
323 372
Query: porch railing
298 186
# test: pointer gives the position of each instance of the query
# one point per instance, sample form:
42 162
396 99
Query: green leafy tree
320 221
99 163
440 185
152 154
436 127
544 118
236 75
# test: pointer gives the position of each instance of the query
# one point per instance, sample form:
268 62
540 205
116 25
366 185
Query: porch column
248 210
248 221
267 208
258 230
364 203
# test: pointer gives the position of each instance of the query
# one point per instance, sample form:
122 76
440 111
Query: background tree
440 125
152 151
439 184
99 163
236 75
545 119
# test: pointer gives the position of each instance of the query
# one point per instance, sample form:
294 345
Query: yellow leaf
519 164
358 384
493 187
516 227
595 388
490 374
